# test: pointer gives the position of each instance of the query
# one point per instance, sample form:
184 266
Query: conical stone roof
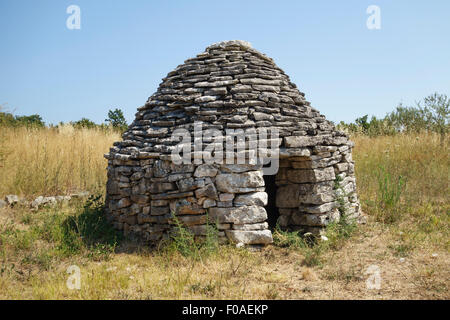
229 86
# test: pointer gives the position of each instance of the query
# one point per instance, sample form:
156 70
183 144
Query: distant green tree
436 112
84 123
431 115
362 123
34 120
8 119
407 119
117 119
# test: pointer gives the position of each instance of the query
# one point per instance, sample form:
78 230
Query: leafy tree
436 112
407 119
117 119
34 120
84 123
8 119
431 115
362 122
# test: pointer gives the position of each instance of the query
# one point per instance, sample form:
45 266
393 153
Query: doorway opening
271 208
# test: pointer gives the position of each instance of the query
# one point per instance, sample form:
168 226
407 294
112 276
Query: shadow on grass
89 230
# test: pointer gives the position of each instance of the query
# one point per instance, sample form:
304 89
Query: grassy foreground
402 183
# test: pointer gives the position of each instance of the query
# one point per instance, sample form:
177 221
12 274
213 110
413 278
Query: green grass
183 241
312 247
55 233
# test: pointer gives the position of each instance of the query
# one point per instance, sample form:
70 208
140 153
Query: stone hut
302 179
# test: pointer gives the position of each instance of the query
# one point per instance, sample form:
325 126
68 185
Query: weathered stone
226 196
238 215
208 191
159 203
250 237
253 226
320 220
160 187
159 211
205 170
167 196
141 199
250 199
187 184
179 176
259 116
205 99
341 167
12 199
308 176
63 198
302 141
224 204
208 203
146 210
184 206
81 194
137 176
191 220
236 183
292 195
323 208
123 203
161 132
238 168
294 152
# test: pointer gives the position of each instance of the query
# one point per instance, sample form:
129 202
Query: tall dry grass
50 161
419 159
403 183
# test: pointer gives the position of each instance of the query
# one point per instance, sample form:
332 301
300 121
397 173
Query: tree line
428 115
115 119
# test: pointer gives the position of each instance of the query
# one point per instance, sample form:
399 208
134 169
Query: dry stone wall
229 86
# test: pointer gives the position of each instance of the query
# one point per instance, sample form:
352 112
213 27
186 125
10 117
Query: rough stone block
205 170
250 237
183 206
238 215
250 199
236 183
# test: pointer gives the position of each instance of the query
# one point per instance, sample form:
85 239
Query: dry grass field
53 161
403 188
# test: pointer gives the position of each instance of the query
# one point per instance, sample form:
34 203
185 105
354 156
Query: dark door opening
271 208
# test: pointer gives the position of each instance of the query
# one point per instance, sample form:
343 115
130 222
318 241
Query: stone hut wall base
142 202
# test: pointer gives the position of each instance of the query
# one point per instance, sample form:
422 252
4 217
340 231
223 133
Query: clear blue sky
124 48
